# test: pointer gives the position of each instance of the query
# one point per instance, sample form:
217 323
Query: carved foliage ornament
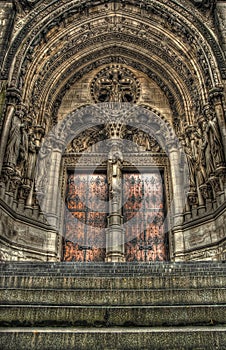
140 141
115 84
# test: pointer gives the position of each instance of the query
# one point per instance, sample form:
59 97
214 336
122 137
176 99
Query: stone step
112 269
100 273
111 316
116 282
88 296
173 338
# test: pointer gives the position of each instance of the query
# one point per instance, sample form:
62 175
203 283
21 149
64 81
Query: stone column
178 196
53 191
115 232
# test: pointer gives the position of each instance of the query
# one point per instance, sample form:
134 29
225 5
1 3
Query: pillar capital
216 94
172 146
13 96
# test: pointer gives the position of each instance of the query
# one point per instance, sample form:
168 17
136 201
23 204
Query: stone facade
167 75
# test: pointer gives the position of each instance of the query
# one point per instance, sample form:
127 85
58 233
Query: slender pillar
178 196
52 196
115 232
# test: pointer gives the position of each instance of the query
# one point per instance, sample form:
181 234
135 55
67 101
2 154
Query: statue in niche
12 151
207 152
42 165
201 162
23 150
31 157
115 93
215 141
190 152
115 161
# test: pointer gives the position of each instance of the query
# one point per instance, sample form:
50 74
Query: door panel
86 217
144 214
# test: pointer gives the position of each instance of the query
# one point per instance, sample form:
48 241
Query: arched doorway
141 169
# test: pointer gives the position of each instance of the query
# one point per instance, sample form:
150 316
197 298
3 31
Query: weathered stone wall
150 95
22 241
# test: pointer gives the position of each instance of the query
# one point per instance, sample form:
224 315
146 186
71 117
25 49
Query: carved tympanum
115 83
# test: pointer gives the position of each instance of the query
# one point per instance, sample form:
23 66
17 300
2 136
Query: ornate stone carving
95 28
204 4
173 34
115 84
21 6
43 166
87 139
115 161
215 141
13 144
23 150
190 152
170 90
139 140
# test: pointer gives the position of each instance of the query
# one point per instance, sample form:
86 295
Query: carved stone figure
42 166
31 157
215 142
145 141
191 159
201 164
115 160
23 151
12 150
207 157
200 158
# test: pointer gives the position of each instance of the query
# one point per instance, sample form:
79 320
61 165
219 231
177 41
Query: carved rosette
115 83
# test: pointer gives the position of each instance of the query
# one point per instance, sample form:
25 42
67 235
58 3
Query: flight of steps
110 306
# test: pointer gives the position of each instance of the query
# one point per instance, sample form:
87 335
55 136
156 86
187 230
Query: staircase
65 306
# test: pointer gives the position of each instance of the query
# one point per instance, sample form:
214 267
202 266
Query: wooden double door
143 211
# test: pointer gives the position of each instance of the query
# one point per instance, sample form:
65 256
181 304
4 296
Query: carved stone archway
172 57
